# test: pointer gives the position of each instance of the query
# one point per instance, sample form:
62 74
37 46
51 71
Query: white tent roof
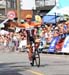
64 11
53 11
61 8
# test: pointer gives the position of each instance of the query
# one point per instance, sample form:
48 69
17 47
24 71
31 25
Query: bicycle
36 55
33 52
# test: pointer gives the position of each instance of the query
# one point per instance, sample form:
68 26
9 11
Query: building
43 6
23 7
5 6
2 9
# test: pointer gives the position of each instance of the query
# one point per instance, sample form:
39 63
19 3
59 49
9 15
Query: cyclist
29 25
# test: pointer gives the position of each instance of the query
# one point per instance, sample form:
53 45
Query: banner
65 48
53 44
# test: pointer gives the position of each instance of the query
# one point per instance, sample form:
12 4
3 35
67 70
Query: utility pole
44 3
6 8
18 11
55 14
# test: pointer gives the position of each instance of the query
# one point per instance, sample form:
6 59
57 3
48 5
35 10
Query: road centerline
35 72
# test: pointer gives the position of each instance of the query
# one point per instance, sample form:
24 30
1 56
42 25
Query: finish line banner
53 45
65 48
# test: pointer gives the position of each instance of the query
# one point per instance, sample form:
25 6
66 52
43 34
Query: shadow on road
9 73
13 68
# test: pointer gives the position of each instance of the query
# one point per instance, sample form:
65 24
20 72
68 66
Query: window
11 4
40 3
3 3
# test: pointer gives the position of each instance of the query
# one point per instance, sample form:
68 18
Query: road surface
13 63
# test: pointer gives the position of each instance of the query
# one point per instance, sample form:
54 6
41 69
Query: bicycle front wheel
37 58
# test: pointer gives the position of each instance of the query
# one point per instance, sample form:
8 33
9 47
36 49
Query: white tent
54 11
61 8
63 11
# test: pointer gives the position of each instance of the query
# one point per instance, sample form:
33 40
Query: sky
63 3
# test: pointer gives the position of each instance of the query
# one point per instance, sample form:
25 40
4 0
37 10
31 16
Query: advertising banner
65 48
53 45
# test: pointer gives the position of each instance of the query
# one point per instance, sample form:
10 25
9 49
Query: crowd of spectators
15 40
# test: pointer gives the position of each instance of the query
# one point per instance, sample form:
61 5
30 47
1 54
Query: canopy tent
63 11
50 19
61 8
52 16
53 11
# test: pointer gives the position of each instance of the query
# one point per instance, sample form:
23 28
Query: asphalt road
13 63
